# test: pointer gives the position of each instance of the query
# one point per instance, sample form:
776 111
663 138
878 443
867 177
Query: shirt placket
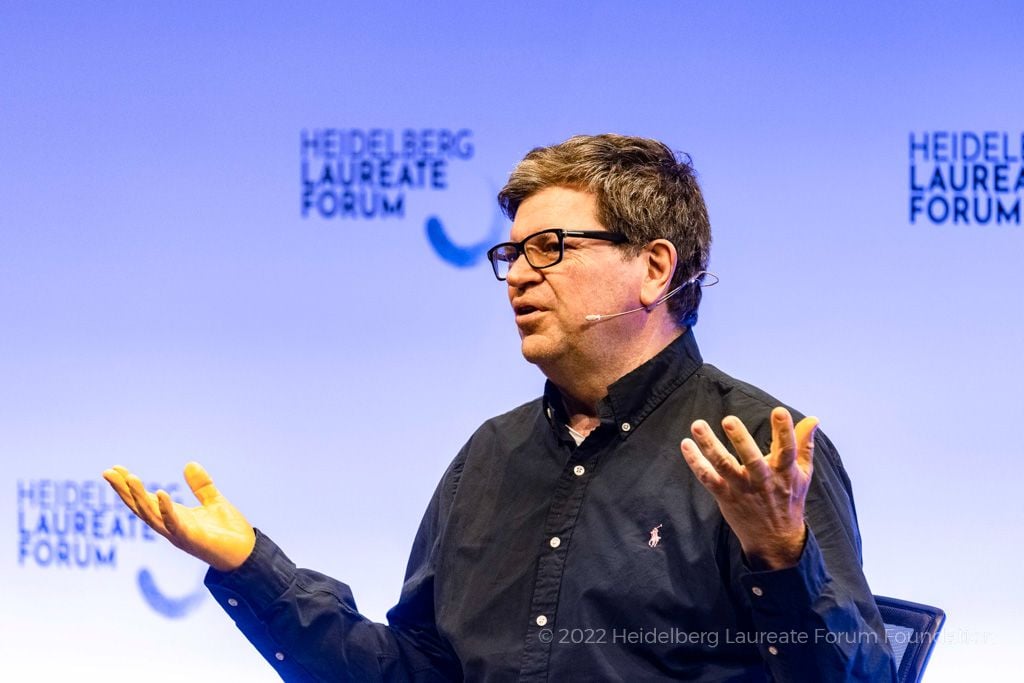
565 508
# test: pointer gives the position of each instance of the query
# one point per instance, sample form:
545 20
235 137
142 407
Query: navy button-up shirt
542 560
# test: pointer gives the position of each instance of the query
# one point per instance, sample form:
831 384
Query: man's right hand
214 531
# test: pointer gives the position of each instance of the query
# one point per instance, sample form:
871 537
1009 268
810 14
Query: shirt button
233 602
626 426
555 541
279 656
773 650
578 470
756 590
542 620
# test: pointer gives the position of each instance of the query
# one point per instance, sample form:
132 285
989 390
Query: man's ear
660 261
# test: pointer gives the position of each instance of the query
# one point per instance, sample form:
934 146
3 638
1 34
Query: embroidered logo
655 537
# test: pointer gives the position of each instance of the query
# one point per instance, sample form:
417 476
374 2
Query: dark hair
643 190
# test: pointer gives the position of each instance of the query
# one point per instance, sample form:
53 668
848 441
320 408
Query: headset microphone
596 318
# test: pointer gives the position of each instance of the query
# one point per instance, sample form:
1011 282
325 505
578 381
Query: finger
805 431
145 503
783 440
713 451
701 468
201 483
116 480
746 448
170 517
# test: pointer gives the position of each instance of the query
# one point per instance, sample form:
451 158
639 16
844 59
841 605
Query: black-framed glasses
542 249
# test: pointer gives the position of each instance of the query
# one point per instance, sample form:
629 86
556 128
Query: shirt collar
635 395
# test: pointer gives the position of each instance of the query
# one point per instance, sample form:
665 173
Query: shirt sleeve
818 620
307 626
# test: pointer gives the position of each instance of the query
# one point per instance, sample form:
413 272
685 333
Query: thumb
201 483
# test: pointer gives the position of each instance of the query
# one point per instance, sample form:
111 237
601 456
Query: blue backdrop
171 288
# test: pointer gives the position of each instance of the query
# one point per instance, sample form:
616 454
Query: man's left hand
761 496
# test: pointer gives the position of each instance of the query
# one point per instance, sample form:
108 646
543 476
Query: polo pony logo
655 537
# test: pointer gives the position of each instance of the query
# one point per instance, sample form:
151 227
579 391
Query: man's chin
536 349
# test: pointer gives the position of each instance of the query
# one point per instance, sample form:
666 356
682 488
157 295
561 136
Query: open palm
215 531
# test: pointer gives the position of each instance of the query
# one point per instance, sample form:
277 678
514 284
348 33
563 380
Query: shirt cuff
264 576
788 590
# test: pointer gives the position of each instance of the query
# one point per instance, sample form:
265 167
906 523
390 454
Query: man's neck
584 382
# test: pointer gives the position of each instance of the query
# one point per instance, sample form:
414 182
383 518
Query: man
567 540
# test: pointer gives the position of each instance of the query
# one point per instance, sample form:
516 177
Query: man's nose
520 272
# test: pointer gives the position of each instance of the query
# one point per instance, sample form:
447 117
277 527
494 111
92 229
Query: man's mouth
523 311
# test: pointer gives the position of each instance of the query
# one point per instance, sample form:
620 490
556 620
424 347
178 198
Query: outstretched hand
214 531
760 496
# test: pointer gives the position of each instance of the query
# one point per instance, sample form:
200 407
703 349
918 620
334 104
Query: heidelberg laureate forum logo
375 174
966 177
67 525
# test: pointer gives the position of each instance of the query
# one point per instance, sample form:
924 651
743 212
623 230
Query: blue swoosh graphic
172 608
462 256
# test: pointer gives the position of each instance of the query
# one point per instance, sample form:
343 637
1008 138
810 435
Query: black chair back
912 630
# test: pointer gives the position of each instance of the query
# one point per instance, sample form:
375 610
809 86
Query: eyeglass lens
542 250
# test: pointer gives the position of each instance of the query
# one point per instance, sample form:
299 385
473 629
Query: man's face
551 304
